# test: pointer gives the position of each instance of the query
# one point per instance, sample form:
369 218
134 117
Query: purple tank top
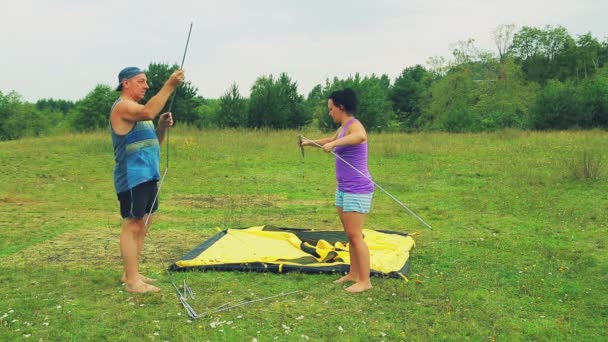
348 179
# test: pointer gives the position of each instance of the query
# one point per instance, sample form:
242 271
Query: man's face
137 86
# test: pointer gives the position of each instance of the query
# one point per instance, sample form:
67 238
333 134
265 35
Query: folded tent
279 249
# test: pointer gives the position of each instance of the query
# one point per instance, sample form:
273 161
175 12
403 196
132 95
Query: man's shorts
360 203
137 202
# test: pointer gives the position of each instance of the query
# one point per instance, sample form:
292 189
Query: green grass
517 250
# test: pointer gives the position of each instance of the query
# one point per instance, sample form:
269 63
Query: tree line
537 78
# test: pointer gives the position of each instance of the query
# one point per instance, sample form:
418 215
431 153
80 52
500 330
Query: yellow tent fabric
269 248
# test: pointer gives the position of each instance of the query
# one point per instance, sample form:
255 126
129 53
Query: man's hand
165 120
176 78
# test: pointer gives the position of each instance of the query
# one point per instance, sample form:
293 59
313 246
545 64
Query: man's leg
129 248
140 236
140 248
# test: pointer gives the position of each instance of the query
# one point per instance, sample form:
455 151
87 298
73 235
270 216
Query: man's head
134 81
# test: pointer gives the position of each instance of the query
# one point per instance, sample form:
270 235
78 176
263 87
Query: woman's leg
353 226
353 271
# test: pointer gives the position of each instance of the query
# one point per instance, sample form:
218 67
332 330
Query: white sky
63 48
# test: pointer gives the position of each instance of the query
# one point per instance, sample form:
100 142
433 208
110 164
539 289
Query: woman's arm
319 142
356 135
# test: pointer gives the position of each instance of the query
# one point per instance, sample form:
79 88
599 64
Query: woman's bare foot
146 279
141 287
346 278
141 277
359 287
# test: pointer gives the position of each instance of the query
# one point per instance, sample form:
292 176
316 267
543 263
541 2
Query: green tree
19 119
451 107
315 99
275 103
208 113
604 53
409 93
557 107
232 109
93 111
53 105
545 54
593 95
588 56
505 102
503 38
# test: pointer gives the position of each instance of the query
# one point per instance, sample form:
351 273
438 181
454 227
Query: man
137 157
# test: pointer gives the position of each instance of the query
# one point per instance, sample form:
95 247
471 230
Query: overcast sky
63 48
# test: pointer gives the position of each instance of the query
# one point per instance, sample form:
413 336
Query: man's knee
135 226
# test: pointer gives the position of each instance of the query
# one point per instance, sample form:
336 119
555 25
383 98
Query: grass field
518 249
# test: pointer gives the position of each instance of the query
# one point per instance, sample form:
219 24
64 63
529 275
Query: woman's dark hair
345 99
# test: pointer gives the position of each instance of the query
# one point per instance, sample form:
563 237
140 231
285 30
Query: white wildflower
216 324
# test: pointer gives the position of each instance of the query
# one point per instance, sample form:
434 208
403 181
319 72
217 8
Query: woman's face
335 112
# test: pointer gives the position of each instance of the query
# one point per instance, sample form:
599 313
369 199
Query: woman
355 187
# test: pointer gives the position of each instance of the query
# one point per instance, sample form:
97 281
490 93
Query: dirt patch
16 200
242 201
225 201
99 248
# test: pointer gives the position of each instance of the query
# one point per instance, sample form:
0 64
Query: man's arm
132 111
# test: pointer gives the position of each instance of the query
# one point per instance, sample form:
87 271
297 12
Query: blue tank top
136 155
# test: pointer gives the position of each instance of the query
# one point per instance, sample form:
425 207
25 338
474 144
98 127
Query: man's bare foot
346 278
141 287
359 287
141 277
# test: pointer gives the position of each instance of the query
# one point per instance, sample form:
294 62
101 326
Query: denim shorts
360 203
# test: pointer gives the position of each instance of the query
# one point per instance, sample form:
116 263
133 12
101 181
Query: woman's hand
328 147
